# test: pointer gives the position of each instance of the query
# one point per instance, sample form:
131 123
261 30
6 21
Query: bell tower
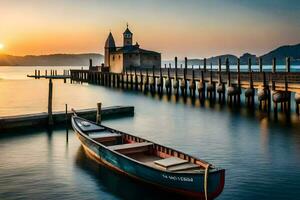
127 37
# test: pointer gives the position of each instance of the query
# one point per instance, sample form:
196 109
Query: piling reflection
117 184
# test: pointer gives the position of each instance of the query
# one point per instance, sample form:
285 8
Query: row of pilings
49 73
268 88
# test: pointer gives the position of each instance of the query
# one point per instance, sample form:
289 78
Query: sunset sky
193 28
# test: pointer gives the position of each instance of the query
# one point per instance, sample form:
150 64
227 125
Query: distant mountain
244 59
51 60
280 54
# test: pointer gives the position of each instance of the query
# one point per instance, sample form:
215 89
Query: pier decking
41 119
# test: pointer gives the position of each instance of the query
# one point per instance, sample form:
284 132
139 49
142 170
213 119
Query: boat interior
141 150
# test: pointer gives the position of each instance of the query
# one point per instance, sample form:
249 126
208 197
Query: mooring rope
205 181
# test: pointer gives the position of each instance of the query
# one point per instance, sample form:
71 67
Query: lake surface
261 157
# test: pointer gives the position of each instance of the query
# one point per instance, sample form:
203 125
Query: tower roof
110 41
127 31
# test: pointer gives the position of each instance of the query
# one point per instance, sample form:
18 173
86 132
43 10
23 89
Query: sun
1 46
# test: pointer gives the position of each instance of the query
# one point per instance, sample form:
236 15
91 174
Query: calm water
261 157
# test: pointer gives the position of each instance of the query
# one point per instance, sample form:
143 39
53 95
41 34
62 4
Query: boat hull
191 184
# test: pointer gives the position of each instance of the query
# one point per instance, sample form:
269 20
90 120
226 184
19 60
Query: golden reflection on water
264 134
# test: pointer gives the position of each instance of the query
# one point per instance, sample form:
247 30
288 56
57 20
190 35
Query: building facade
129 56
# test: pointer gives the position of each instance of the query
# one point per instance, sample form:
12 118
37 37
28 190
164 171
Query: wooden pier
268 87
41 119
50 74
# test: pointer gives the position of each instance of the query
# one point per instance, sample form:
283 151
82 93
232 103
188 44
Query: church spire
110 41
110 46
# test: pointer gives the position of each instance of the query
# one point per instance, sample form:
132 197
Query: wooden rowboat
149 162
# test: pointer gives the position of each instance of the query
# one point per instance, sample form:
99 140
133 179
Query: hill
51 60
280 54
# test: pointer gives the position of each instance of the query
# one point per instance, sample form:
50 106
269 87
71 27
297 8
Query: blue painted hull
191 184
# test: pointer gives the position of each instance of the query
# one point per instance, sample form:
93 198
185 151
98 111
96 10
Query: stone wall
131 60
116 62
148 60
144 60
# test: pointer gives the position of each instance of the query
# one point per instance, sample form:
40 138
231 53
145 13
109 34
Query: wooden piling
288 94
160 83
176 83
122 81
168 84
118 80
135 80
192 85
211 89
288 64
183 84
221 86
127 80
239 87
67 125
250 92
230 89
201 88
141 80
267 90
252 87
131 78
220 65
146 84
297 103
274 65
114 79
227 65
204 64
249 65
260 63
153 84
98 116
275 109
109 79
176 67
50 118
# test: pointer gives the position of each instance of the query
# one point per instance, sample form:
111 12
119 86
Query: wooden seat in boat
131 147
183 167
104 136
169 162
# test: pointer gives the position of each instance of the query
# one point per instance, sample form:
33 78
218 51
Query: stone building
128 56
